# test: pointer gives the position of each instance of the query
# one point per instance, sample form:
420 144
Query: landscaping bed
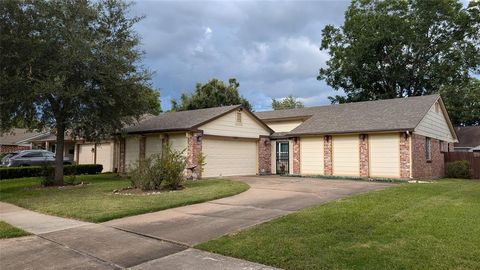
95 200
413 226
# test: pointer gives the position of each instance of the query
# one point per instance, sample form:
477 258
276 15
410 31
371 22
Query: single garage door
132 151
105 156
384 157
153 145
229 157
311 156
346 155
86 154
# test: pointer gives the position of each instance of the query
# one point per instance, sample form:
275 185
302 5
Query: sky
270 47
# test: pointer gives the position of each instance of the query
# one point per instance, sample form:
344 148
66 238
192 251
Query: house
17 140
468 139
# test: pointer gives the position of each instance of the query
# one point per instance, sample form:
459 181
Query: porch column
327 155
364 158
296 155
194 150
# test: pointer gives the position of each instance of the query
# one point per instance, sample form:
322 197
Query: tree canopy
214 93
395 48
463 102
289 102
71 66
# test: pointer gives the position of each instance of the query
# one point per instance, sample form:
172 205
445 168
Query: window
428 149
239 118
443 147
33 155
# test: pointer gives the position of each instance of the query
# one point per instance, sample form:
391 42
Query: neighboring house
16 140
396 138
468 139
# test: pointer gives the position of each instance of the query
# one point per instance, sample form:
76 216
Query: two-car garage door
227 157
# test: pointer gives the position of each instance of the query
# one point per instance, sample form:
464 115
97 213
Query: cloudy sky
272 48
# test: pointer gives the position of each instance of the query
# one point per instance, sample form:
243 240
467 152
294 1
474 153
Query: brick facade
121 165
296 156
364 155
264 155
194 150
404 155
421 167
141 147
327 155
13 148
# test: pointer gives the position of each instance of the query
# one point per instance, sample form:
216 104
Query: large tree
214 93
396 48
289 102
71 66
463 102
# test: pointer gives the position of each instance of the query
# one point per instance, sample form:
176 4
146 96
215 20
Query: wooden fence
472 157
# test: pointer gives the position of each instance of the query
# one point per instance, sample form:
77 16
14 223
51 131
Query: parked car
31 158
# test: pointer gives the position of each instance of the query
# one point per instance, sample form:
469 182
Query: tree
463 102
71 66
395 48
214 93
289 102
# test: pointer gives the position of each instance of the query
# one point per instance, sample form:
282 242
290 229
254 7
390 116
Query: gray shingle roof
16 136
468 136
176 121
382 115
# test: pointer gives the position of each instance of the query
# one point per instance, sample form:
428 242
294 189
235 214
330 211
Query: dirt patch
136 191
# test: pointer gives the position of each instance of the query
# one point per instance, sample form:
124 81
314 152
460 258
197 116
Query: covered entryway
384 157
228 156
282 157
311 156
346 155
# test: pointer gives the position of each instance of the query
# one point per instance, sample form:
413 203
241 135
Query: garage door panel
105 156
85 154
384 157
132 151
153 145
311 156
229 157
346 155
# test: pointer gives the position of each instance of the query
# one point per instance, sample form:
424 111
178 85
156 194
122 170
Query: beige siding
311 156
132 151
346 155
229 157
284 126
228 126
85 154
153 145
105 156
178 142
384 156
434 125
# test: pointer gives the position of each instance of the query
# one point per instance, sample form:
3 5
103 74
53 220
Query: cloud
272 48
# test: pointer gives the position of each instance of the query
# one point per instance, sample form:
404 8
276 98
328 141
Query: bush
159 171
35 171
458 169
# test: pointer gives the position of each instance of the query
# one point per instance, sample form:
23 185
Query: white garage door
153 145
132 151
229 157
105 156
346 155
311 156
384 157
86 154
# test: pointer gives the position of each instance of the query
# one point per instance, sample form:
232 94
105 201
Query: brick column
194 150
264 155
404 155
327 155
296 155
141 152
364 161
121 166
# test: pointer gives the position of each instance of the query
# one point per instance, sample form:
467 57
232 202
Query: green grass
9 231
95 202
409 226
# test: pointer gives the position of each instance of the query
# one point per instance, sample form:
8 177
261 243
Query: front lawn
410 226
9 231
95 201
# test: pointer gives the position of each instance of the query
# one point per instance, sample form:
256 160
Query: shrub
158 171
34 171
458 169
47 172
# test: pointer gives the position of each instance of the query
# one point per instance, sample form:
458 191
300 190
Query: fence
472 157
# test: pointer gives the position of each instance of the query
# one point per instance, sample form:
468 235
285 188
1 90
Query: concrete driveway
162 238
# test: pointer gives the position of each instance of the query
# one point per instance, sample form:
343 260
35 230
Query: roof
180 121
468 136
17 135
382 115
50 137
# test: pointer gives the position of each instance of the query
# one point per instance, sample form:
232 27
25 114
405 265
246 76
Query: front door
282 158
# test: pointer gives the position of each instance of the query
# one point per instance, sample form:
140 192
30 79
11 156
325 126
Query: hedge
458 169
33 171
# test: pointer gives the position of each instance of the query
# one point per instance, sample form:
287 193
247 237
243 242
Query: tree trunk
59 154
